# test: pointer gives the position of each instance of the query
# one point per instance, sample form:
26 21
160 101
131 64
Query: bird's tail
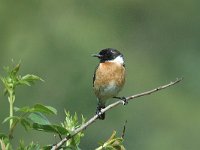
99 113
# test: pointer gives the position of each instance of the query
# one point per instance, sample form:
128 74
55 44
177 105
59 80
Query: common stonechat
109 77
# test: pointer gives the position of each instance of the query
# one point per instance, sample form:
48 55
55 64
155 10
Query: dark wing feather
94 76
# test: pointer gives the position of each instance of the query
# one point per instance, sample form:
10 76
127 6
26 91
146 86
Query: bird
109 77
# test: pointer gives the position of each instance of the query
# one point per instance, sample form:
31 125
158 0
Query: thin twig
95 117
124 129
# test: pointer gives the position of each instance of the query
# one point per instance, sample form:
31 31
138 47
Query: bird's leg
101 115
125 101
98 111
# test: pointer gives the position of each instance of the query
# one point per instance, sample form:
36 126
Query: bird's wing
94 76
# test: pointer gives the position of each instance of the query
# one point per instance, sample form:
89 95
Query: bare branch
95 117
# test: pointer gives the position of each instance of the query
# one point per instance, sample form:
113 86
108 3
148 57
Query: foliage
35 118
113 143
70 124
31 146
11 81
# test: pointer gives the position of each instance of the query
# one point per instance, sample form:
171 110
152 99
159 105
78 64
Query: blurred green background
160 42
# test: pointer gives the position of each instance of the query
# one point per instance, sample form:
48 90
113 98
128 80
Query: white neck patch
118 59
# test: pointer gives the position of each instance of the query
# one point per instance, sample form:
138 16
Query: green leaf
37 108
50 128
75 118
23 82
45 109
83 119
113 143
39 118
15 118
31 146
15 69
25 123
23 109
30 78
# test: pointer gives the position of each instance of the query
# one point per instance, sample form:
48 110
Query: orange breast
109 73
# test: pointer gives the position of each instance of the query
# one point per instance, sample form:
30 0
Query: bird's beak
96 55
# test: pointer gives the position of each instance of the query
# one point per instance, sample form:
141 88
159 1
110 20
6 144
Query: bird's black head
108 54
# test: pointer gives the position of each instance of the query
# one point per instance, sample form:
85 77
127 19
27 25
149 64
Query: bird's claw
125 101
98 112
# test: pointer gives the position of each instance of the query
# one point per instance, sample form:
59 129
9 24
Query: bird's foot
125 101
99 113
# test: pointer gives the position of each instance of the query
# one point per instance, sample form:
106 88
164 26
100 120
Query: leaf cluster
113 143
36 118
71 123
13 79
